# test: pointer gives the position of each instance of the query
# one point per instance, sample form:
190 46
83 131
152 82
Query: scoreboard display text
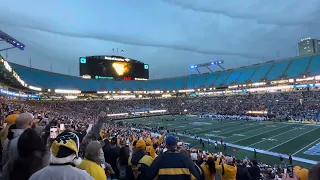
113 67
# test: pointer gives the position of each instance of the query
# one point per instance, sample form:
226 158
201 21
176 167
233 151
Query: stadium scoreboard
113 67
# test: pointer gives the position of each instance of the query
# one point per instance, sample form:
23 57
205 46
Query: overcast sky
169 35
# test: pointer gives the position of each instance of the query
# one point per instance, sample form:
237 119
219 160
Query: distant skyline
169 35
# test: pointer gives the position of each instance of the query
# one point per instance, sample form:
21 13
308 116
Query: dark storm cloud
291 12
134 41
168 35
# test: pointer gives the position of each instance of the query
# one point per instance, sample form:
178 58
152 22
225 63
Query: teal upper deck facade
295 67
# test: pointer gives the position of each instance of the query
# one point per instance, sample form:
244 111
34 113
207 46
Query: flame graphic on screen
121 68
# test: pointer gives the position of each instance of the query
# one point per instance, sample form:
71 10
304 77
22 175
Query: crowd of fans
91 146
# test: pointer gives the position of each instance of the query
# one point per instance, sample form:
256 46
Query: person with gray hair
23 122
91 163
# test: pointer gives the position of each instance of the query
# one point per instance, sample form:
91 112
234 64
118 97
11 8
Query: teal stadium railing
287 68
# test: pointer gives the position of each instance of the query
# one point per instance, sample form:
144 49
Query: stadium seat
246 75
297 67
277 70
222 77
314 66
211 78
179 83
261 72
169 84
199 82
190 80
234 76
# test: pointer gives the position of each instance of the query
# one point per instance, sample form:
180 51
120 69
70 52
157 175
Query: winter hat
12 118
66 144
141 144
171 141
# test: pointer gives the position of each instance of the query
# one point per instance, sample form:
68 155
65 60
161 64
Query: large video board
113 67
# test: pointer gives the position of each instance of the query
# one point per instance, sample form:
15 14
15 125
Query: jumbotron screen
113 67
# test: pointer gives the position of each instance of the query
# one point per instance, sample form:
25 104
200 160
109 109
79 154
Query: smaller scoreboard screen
113 67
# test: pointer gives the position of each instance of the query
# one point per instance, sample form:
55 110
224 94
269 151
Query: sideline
305 147
260 151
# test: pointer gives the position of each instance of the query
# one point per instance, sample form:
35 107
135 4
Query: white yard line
292 139
272 137
240 129
214 127
249 131
259 134
305 147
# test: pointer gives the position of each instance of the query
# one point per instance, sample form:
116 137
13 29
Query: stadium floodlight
208 65
16 44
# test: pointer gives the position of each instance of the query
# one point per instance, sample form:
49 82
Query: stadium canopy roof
296 67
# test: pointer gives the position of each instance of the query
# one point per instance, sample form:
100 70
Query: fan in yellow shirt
91 163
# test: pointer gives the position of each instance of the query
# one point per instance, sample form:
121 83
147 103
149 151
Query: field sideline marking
272 137
261 151
292 139
305 147
258 134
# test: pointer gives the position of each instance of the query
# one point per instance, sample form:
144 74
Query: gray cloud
274 18
133 41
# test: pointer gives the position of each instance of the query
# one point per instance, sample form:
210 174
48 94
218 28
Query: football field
268 138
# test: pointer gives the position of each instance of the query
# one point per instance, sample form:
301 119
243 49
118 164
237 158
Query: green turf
272 136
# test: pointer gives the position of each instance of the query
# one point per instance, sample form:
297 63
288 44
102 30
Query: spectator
242 171
112 154
172 165
227 169
254 170
314 173
5 151
23 122
10 120
33 156
140 161
64 153
194 158
122 163
91 163
290 159
209 169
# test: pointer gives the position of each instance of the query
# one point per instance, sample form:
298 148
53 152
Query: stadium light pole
208 65
16 44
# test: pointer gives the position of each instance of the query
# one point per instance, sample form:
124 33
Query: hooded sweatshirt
140 163
10 147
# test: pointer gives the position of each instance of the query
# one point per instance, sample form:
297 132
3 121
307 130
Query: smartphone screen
53 132
62 127
290 171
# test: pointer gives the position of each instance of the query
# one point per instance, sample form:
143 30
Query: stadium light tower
208 65
16 44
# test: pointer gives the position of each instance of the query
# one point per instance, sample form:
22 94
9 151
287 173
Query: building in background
308 46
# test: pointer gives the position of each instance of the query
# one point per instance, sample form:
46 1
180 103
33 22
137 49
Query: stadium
261 119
